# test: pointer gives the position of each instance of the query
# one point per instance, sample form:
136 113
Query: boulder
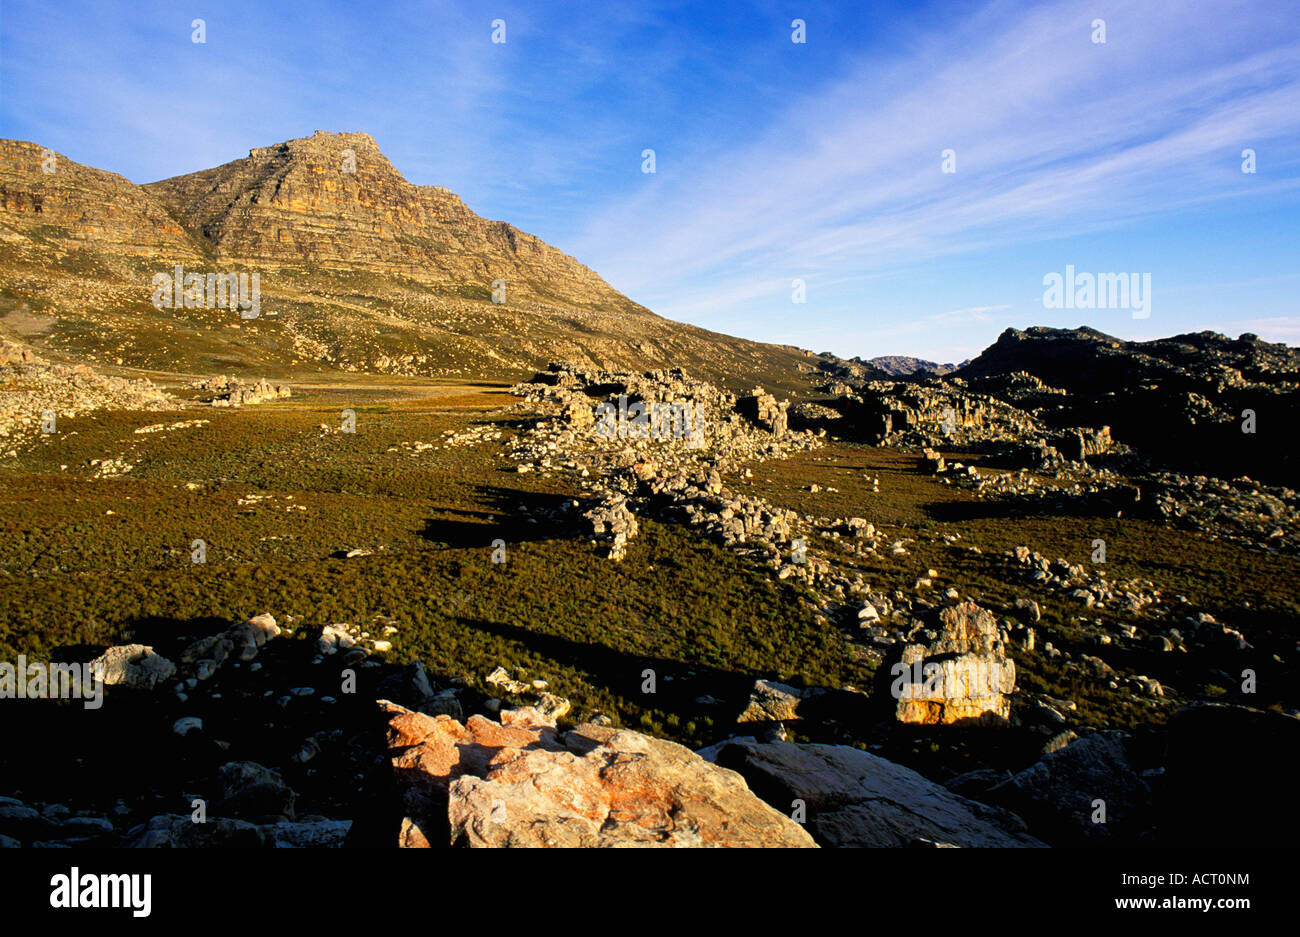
215 648
410 687
133 665
613 788
517 783
855 798
773 702
501 678
20 820
311 834
187 724
552 707
428 752
1058 794
962 677
334 638
248 637
251 791
169 831
1028 609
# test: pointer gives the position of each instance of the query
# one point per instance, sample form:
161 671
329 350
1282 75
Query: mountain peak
334 200
321 141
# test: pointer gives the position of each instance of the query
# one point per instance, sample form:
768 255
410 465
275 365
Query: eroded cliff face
335 199
53 202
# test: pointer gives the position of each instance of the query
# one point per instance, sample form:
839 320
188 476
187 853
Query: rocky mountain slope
1198 403
359 271
334 200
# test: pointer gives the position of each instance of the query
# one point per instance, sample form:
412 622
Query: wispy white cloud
1053 135
969 314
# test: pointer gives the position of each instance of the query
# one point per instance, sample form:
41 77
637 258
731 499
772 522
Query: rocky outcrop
613 523
201 659
902 365
963 676
64 203
429 752
764 409
774 702
32 390
1200 384
232 392
518 783
855 798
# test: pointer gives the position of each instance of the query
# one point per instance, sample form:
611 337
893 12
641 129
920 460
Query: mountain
900 365
299 202
1200 402
359 271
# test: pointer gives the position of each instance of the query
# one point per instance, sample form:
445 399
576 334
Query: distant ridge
902 365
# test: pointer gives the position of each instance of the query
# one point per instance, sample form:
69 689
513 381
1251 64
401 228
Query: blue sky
775 160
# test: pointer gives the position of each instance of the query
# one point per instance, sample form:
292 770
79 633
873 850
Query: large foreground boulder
855 798
429 752
518 783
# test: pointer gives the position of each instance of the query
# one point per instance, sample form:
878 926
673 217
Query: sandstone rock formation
232 392
33 389
764 409
961 677
518 784
65 198
773 702
855 798
305 200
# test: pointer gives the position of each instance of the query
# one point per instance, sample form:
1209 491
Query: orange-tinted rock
613 788
962 677
429 752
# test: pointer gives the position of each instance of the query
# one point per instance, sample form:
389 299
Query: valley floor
100 523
